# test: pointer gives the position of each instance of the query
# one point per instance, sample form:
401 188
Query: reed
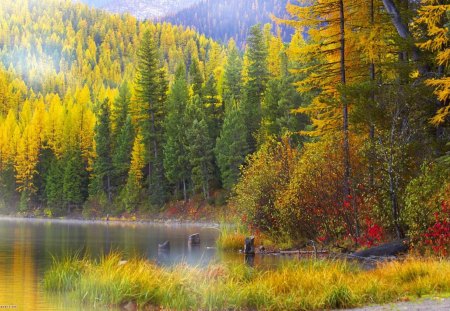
296 285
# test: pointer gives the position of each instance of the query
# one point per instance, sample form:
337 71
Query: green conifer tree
101 182
258 75
231 147
176 162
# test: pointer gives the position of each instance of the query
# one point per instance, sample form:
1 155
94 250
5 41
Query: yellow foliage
432 13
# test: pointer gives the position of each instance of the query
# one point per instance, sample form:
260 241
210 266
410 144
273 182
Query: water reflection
27 247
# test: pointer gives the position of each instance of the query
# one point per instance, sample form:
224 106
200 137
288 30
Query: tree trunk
372 95
403 32
184 191
108 186
345 105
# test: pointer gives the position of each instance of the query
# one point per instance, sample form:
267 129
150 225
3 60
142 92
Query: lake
28 246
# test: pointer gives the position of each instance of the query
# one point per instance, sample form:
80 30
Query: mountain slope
142 9
222 20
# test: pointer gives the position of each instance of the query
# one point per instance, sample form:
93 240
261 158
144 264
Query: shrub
299 195
426 213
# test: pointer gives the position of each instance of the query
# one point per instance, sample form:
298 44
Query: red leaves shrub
372 235
438 235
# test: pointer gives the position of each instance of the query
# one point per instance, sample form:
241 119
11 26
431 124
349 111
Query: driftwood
194 239
249 247
390 249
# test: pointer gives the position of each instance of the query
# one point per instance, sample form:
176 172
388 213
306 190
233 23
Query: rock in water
393 248
194 239
249 247
164 246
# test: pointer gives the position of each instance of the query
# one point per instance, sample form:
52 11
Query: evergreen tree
200 151
232 84
54 179
255 87
74 180
120 111
196 78
103 163
122 153
176 162
231 147
150 89
213 107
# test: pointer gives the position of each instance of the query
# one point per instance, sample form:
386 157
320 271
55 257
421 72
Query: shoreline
114 221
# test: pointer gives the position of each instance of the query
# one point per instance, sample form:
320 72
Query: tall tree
176 161
434 14
257 77
74 180
103 144
196 78
121 157
120 110
231 147
232 84
150 86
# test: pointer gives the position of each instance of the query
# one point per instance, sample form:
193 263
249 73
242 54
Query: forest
225 20
340 135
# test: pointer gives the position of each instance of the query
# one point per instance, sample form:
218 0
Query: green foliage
255 85
231 147
149 92
74 180
55 178
233 75
176 160
423 198
103 162
201 156
122 153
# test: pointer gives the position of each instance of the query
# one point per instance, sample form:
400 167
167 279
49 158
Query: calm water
27 247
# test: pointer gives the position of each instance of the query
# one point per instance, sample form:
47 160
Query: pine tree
231 147
103 144
122 153
201 156
176 162
232 84
213 107
74 180
255 86
196 78
120 111
150 89
54 179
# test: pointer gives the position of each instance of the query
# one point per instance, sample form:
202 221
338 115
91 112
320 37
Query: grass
232 238
296 285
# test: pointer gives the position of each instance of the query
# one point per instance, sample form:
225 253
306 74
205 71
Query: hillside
222 20
142 9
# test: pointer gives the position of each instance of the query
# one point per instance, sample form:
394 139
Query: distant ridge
142 9
223 20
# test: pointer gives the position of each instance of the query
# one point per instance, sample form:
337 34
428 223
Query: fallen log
393 248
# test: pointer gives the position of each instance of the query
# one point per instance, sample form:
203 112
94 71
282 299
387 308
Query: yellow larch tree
434 14
27 158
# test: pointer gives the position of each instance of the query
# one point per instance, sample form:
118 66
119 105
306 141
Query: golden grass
296 285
